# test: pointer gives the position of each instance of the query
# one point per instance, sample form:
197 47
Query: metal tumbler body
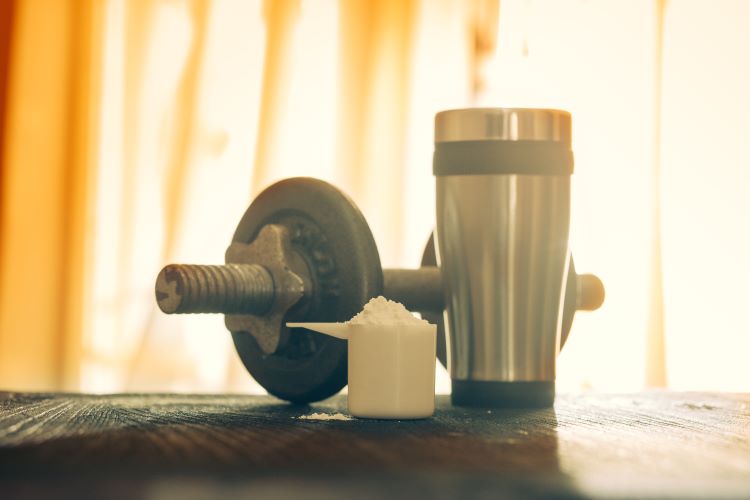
503 216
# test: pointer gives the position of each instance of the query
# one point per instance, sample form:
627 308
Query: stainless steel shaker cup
503 215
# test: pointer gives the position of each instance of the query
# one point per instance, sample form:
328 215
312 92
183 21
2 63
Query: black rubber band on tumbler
528 157
486 394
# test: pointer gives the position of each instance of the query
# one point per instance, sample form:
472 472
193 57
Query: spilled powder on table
696 406
325 416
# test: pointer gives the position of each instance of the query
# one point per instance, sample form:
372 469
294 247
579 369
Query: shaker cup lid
475 141
503 124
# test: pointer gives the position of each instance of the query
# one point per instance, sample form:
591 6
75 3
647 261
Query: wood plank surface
655 444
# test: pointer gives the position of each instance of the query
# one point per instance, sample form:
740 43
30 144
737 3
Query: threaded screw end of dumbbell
228 289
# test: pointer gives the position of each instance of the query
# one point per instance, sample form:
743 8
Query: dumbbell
304 252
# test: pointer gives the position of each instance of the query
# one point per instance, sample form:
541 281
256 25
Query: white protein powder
381 311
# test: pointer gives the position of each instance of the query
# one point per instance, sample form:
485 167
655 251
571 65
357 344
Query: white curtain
207 103
658 93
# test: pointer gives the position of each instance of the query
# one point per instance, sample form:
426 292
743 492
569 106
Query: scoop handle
338 330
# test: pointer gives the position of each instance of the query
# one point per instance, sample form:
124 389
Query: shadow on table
236 447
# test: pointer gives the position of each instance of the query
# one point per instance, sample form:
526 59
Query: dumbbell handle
589 292
249 289
418 289
225 289
422 290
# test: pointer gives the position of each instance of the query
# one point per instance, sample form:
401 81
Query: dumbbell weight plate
429 258
332 236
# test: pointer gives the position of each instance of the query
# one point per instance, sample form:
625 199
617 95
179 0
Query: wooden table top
654 444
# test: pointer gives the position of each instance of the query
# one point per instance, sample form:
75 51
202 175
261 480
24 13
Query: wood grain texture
180 446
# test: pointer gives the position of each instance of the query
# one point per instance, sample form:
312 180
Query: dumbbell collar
273 250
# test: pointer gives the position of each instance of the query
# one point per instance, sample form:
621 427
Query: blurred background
134 133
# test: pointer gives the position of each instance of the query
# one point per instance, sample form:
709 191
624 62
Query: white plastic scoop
338 330
391 367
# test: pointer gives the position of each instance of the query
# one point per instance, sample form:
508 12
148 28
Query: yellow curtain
50 129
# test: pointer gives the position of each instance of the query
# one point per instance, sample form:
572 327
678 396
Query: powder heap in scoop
381 311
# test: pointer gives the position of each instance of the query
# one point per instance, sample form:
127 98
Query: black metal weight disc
332 236
429 258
